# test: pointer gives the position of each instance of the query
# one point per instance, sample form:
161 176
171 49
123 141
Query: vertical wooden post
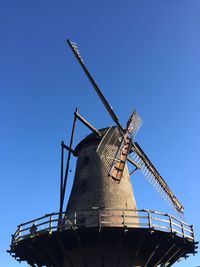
192 229
20 228
99 218
68 161
75 220
13 240
171 224
183 231
50 224
150 219
124 218
61 171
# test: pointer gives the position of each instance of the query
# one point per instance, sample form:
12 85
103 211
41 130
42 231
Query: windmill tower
101 225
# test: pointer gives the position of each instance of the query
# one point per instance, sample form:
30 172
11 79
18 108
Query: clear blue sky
143 54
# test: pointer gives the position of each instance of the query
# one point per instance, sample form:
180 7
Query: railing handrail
111 209
39 218
174 225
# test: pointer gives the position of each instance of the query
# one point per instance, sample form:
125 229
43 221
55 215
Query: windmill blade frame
107 149
133 125
114 147
77 54
153 176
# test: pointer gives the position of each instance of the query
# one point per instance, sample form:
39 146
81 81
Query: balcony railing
101 218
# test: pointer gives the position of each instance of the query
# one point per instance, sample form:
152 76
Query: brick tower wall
92 188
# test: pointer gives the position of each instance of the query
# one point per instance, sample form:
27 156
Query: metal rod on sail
74 49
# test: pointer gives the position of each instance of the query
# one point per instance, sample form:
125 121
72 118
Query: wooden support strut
64 250
174 253
138 248
67 167
180 254
67 148
81 251
86 123
134 163
61 174
152 253
166 254
50 255
71 151
40 256
151 260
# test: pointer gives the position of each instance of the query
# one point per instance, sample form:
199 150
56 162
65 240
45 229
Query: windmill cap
90 138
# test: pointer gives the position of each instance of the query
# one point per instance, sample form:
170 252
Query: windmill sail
76 52
134 124
108 147
152 175
115 147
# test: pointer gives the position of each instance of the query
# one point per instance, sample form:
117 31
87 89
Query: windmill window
83 186
85 161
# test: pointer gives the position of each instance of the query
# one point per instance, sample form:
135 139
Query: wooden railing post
192 229
19 233
183 231
124 219
150 220
99 219
75 219
171 224
50 224
13 240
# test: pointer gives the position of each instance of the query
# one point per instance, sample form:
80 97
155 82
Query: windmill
101 225
122 140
